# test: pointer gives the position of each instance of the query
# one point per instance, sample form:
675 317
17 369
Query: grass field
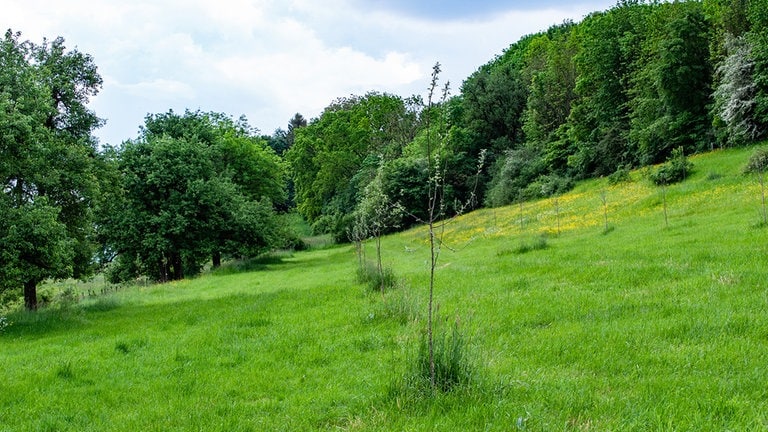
570 327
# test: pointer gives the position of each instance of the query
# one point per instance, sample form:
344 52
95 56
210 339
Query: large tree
49 165
193 187
599 122
673 89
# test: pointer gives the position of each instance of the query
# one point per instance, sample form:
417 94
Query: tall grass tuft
377 280
452 366
398 306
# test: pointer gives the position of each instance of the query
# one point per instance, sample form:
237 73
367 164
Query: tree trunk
30 295
178 269
216 259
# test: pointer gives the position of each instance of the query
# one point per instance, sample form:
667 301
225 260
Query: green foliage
758 39
193 187
610 55
621 175
512 175
758 161
4 323
404 180
672 90
49 167
676 169
335 156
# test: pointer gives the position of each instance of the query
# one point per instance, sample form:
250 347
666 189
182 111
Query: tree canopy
192 187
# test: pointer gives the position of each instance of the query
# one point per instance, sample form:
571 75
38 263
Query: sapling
758 163
375 214
436 221
664 199
604 199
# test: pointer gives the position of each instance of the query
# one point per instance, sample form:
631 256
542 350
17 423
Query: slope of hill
573 325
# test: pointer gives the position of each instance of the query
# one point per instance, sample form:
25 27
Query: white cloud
156 89
267 59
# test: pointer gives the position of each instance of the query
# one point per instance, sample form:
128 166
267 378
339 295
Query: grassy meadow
570 325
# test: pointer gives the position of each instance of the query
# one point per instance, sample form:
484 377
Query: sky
270 59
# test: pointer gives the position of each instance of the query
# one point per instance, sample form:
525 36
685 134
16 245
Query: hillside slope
645 325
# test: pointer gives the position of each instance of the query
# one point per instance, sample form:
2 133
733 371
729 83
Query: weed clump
453 368
398 306
377 279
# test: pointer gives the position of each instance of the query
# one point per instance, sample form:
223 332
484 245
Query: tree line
623 88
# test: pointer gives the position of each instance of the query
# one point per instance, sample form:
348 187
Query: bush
548 185
758 161
620 176
676 169
4 323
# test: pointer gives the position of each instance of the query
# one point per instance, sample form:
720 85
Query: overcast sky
269 59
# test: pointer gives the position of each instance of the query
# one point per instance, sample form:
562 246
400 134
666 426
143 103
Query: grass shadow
265 262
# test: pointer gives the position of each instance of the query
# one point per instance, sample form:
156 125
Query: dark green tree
758 39
551 94
599 122
673 90
193 187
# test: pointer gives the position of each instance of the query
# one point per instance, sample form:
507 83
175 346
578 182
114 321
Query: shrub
758 161
4 323
68 298
676 169
620 176
548 185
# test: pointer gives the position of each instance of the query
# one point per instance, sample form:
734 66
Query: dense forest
623 88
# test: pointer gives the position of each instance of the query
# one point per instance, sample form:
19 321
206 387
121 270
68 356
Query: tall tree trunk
30 295
216 258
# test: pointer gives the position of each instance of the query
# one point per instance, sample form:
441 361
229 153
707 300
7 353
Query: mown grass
645 327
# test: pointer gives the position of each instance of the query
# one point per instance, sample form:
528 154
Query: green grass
645 327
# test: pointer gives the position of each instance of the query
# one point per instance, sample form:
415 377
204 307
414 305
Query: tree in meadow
193 188
49 164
